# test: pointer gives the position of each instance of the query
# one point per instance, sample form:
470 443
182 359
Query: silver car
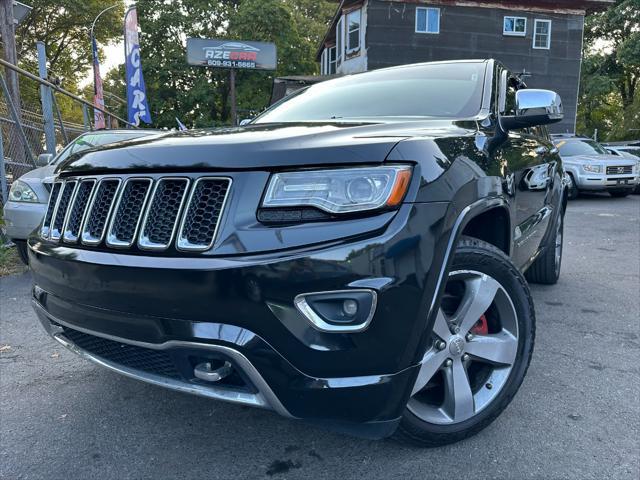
590 167
29 195
628 151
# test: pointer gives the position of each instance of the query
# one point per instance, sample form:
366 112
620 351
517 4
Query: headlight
341 190
21 192
592 168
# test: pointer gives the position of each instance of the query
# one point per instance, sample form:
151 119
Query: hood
259 146
39 175
600 159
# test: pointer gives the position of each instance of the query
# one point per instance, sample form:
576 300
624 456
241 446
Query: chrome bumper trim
265 398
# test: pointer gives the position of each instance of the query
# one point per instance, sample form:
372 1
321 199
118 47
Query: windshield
440 90
91 140
570 148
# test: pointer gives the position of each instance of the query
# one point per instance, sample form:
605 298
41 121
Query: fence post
62 129
16 119
45 96
3 173
85 118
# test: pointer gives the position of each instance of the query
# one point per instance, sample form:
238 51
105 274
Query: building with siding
540 39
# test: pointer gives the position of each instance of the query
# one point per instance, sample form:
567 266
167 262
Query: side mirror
245 121
534 107
44 159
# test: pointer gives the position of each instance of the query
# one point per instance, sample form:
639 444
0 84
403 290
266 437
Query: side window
427 20
331 70
339 40
514 26
510 95
353 31
542 34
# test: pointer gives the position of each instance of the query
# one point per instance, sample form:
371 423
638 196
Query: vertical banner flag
98 97
138 107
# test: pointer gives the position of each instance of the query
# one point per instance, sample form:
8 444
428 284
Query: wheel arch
492 225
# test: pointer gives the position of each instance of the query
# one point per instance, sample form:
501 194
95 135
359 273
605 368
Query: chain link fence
16 159
44 119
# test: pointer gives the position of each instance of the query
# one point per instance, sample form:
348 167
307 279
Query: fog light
350 307
346 311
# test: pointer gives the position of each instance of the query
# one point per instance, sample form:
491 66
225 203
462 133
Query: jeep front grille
149 214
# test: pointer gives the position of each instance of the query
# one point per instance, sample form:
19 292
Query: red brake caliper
481 327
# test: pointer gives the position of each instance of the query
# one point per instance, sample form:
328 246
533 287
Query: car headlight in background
592 168
21 192
343 190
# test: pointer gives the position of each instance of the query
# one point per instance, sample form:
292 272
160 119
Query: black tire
620 193
545 269
485 258
23 252
572 188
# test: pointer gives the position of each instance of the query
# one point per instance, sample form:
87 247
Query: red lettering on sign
249 56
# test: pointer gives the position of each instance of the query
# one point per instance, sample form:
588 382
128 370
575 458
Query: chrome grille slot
53 202
620 170
62 209
78 209
202 217
128 212
99 211
162 214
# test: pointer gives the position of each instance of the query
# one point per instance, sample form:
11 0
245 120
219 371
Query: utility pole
8 33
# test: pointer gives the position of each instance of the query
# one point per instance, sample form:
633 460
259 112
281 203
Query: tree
609 98
63 26
199 96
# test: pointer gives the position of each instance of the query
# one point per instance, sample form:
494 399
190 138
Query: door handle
542 150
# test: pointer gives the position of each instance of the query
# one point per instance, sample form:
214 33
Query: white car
590 167
29 195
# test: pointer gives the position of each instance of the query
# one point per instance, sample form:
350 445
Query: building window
427 20
353 31
542 34
515 26
339 39
331 61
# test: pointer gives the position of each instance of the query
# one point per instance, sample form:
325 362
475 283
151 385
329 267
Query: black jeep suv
354 256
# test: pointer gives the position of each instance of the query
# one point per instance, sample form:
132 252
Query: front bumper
240 309
599 182
22 218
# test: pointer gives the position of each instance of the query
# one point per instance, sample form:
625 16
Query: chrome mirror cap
534 107
535 102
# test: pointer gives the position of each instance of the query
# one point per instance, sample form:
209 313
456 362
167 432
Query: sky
113 55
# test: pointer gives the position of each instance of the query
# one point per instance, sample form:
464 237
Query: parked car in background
29 194
627 151
354 257
590 167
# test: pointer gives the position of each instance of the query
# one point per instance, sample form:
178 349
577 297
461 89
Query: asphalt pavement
577 414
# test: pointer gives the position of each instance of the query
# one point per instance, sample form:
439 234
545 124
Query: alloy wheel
558 246
475 345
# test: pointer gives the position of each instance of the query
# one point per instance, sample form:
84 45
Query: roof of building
554 6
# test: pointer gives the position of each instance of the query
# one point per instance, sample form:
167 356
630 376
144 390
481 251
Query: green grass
9 260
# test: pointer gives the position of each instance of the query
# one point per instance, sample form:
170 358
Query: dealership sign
231 54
